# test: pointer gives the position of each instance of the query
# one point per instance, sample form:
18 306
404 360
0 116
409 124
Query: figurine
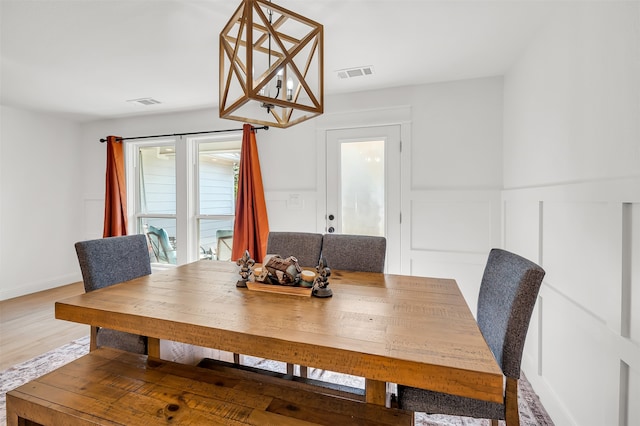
283 271
245 263
321 283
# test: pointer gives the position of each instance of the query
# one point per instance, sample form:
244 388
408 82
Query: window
183 196
218 165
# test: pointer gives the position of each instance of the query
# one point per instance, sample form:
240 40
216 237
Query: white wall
572 202
40 209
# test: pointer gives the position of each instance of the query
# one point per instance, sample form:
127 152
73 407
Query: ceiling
84 59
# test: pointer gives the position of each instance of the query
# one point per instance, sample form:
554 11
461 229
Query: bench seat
108 387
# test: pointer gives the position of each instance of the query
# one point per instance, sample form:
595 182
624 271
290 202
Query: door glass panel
362 187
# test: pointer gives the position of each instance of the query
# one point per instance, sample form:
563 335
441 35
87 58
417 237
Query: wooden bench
109 386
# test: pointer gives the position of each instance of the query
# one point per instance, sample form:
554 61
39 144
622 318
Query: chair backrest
161 245
304 246
508 293
112 260
363 253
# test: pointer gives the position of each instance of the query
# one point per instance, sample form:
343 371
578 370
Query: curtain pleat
115 203
251 227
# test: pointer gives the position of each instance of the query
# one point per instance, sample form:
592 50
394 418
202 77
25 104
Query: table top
411 330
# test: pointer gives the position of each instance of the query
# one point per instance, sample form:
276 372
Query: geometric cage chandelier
271 66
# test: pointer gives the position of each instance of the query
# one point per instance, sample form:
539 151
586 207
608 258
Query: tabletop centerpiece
283 275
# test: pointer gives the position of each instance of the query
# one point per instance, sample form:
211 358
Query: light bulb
289 88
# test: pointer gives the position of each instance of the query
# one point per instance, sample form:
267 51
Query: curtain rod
185 134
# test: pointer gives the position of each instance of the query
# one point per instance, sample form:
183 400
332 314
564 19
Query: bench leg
18 407
12 417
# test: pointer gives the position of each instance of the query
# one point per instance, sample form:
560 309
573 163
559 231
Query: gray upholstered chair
362 253
109 261
508 293
304 246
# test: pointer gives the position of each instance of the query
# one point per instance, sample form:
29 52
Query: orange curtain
115 202
251 228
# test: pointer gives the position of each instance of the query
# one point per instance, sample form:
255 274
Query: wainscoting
449 234
583 349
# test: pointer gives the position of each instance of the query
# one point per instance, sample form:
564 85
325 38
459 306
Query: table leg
376 392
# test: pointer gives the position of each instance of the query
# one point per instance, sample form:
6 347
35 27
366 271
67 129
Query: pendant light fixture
271 66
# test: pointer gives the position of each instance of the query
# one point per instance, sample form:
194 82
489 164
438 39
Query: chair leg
304 371
494 422
93 338
512 414
236 358
153 347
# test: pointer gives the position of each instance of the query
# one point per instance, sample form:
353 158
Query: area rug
532 413
22 373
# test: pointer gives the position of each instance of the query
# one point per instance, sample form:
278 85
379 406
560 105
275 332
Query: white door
363 185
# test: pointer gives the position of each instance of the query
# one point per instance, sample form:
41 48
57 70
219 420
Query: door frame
401 116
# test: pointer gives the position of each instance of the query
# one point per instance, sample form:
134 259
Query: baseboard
551 402
10 293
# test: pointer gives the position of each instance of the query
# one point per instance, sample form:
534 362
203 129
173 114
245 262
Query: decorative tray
280 289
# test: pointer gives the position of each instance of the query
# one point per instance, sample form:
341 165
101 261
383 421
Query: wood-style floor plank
28 327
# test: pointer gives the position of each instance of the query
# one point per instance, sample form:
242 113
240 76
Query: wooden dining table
410 330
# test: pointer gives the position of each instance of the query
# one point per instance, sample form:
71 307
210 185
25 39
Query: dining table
387 328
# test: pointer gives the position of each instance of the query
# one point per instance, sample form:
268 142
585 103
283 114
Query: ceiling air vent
355 72
144 101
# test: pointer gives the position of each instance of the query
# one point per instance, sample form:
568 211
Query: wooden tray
280 289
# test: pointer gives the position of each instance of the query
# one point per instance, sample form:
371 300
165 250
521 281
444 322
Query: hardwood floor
28 327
